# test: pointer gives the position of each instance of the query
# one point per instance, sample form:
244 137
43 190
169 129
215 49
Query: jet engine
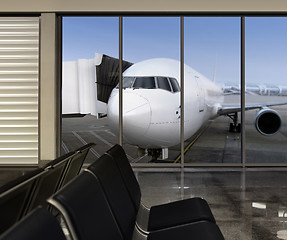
267 122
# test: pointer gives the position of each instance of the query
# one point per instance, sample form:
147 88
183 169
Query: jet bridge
87 84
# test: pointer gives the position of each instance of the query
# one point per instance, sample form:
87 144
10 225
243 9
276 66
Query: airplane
152 109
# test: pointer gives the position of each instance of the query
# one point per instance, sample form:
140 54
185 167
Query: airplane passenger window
163 83
144 82
174 84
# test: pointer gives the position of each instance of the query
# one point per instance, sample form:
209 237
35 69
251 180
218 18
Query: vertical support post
182 90
243 136
49 116
121 80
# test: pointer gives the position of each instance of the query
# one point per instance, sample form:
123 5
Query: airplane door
200 94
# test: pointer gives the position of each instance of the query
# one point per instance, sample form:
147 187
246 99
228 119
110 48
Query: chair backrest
60 159
46 185
39 224
116 192
14 198
76 163
86 211
119 156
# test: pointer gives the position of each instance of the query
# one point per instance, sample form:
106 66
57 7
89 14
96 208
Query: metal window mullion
120 80
243 135
182 90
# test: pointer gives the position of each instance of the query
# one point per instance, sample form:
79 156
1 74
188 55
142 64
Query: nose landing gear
234 127
154 153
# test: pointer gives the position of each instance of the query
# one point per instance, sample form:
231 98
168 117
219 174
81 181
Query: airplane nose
136 115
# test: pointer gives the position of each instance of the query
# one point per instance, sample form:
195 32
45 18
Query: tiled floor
247 205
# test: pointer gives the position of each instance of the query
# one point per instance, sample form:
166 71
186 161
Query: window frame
182 15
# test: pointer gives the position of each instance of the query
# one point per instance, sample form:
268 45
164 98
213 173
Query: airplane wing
233 108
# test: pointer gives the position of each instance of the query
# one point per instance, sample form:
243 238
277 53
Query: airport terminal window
144 82
214 51
148 128
90 67
212 45
266 71
162 83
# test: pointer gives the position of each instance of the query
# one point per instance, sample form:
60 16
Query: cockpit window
144 82
174 84
165 83
162 83
127 82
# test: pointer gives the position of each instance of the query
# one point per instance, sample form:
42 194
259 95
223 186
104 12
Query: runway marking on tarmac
107 143
109 132
100 138
64 146
84 142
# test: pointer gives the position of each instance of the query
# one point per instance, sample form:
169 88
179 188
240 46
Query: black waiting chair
76 163
14 198
89 215
85 209
19 197
159 216
49 182
117 195
56 174
39 224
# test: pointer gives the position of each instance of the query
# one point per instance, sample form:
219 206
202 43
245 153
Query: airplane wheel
154 153
235 128
238 128
231 127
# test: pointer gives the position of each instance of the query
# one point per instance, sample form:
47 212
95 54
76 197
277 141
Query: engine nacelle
267 122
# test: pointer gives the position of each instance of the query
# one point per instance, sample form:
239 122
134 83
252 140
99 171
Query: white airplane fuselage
151 115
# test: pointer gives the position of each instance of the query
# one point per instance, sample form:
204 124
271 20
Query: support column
50 117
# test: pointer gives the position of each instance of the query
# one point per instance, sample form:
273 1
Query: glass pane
212 58
163 83
174 84
127 82
266 71
144 82
150 115
90 72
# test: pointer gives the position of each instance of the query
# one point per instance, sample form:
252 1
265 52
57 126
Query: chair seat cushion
178 213
195 231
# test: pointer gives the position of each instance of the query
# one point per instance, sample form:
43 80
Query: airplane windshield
165 83
144 82
174 84
127 82
162 83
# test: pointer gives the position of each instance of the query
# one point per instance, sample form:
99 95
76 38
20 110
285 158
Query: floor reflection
247 204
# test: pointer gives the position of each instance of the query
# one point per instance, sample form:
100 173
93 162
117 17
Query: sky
212 44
